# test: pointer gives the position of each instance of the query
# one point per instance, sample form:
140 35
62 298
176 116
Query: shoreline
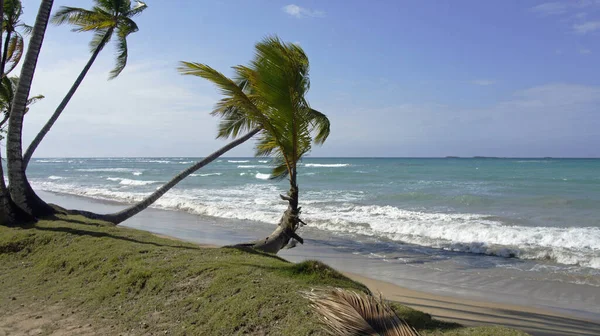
445 304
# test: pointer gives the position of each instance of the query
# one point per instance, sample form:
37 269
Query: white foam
51 161
55 177
109 170
137 173
124 181
332 210
207 174
263 161
326 165
255 166
154 161
238 161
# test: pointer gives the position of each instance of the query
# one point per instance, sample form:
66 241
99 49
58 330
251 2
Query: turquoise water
536 209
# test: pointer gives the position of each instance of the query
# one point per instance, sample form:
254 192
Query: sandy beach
470 310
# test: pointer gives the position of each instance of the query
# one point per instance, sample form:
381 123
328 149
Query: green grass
131 281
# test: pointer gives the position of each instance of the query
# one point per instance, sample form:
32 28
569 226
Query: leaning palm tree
270 94
107 18
21 192
243 111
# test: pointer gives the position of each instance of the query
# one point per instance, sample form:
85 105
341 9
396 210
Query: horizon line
327 157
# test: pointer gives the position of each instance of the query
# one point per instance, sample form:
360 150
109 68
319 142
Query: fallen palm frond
349 313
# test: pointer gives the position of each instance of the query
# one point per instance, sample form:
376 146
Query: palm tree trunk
20 190
119 217
1 25
40 136
288 224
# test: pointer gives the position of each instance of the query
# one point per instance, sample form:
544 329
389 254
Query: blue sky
396 78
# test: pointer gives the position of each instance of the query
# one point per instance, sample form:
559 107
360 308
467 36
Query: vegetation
270 94
106 19
79 272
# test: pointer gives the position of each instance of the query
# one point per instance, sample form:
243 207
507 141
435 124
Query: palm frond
100 39
320 125
84 19
348 313
26 29
137 9
121 61
34 99
235 99
14 53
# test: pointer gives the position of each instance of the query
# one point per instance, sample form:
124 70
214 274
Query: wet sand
452 302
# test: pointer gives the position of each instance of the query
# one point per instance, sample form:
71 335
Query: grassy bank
85 277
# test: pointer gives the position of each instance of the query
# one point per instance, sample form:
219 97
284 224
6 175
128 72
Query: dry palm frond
348 313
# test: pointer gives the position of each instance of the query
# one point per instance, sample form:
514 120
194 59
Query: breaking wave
338 211
124 181
109 170
208 174
326 165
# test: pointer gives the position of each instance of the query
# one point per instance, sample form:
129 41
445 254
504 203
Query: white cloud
149 110
586 27
300 12
550 8
483 82
580 16
585 51
546 120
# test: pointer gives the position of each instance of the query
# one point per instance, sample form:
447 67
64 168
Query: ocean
533 217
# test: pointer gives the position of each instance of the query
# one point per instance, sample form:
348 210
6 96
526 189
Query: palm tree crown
270 94
105 18
13 41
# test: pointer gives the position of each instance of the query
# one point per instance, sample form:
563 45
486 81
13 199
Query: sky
396 78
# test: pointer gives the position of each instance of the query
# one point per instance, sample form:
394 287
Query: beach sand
535 321
453 307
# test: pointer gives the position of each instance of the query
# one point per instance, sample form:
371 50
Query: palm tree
7 212
243 110
270 94
21 192
107 18
10 214
13 42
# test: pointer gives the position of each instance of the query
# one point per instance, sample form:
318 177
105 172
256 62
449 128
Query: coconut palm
270 94
106 19
14 29
21 192
244 111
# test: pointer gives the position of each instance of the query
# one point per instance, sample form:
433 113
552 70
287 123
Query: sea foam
339 211
326 165
124 181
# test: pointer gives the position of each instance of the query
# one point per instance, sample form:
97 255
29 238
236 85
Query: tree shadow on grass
81 232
